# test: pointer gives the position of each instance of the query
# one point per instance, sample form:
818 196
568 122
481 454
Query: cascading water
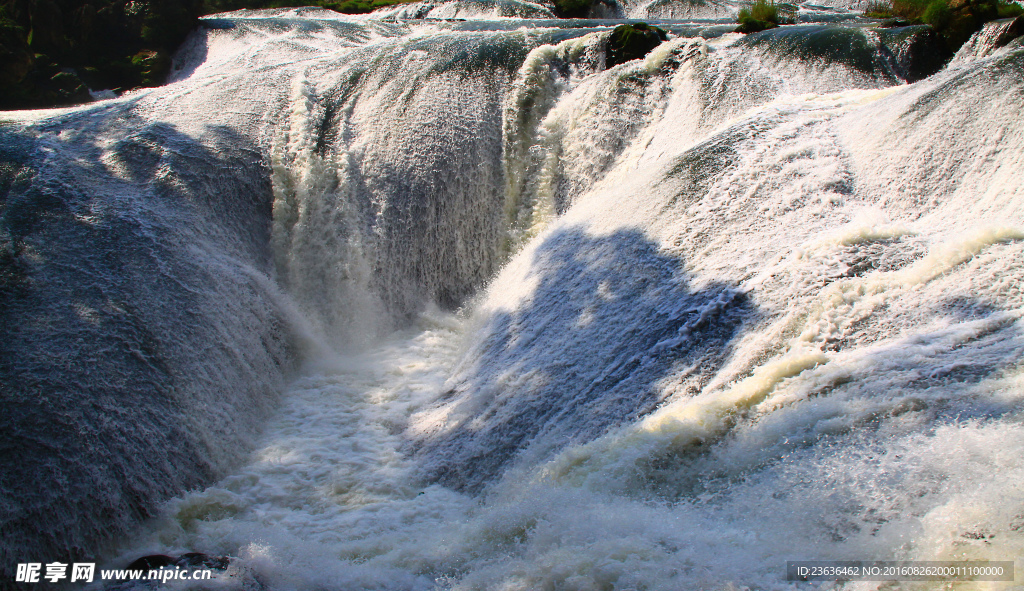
491 314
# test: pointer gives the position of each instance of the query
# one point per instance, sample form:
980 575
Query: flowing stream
408 302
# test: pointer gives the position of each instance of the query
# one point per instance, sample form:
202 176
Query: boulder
632 41
1012 31
188 560
151 562
918 51
200 560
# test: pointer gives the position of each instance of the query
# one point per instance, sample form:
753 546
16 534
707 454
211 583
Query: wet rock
633 41
152 562
587 9
605 9
189 560
572 8
891 23
918 51
152 66
200 560
822 44
69 88
1011 32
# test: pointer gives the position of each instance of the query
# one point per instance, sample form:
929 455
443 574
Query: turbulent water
398 302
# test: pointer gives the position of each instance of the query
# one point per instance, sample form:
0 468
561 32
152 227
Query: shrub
938 15
954 23
761 15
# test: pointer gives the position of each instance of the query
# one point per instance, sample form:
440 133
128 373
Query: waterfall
993 37
396 302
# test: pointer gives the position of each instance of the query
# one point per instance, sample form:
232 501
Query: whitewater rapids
372 303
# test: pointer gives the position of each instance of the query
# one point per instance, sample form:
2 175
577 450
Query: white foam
817 279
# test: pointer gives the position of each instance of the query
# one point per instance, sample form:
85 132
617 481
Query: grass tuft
764 14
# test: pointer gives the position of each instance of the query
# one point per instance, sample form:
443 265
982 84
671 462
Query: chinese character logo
83 571
28 572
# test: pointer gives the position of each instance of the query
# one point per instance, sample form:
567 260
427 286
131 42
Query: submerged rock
892 23
630 42
187 560
198 559
823 44
903 53
918 51
151 562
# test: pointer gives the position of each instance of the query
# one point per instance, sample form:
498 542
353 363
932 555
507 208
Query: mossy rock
630 42
69 88
152 67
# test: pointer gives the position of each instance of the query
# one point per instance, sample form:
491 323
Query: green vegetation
345 7
762 15
1009 10
53 51
361 6
954 20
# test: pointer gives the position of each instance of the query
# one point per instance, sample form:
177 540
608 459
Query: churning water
375 303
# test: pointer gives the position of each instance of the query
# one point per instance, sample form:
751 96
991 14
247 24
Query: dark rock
187 560
47 44
69 88
16 64
630 42
959 20
891 23
572 8
198 559
1011 32
587 9
918 51
47 31
605 9
152 66
152 562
